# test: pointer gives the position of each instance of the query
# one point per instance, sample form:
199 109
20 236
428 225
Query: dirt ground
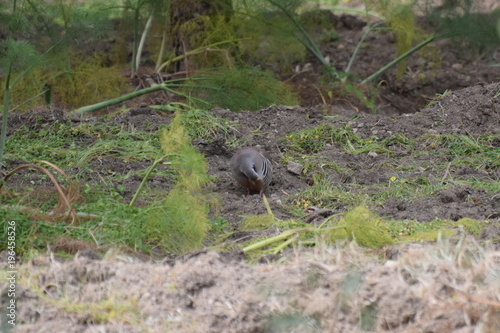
449 286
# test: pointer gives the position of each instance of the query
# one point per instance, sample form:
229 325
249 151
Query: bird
251 169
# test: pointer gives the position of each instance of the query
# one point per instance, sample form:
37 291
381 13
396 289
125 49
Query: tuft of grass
325 193
105 311
471 225
409 228
313 139
257 221
200 124
219 225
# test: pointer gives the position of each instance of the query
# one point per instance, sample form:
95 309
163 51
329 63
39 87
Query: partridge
251 169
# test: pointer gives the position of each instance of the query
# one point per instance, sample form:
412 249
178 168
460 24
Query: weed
325 193
88 81
218 225
362 226
200 124
181 223
436 99
238 89
281 49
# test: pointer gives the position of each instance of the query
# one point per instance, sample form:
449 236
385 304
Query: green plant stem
162 50
358 46
146 176
143 40
280 247
164 86
403 56
266 203
208 48
117 100
284 235
164 37
133 68
271 240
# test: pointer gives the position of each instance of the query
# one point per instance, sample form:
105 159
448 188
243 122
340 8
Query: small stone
372 154
294 167
457 67
391 264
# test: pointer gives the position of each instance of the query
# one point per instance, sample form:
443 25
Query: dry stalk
63 208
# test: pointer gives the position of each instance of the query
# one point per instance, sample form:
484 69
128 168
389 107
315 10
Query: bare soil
411 288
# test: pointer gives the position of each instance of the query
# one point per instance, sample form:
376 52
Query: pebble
294 167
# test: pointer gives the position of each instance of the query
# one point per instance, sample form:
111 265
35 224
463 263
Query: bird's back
251 168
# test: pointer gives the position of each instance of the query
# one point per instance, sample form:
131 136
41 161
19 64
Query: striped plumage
251 169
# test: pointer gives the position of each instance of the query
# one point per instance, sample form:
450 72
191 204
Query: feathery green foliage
267 41
181 223
288 10
87 82
463 20
238 89
364 227
35 30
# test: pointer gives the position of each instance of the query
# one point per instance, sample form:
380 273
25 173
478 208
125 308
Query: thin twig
446 173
